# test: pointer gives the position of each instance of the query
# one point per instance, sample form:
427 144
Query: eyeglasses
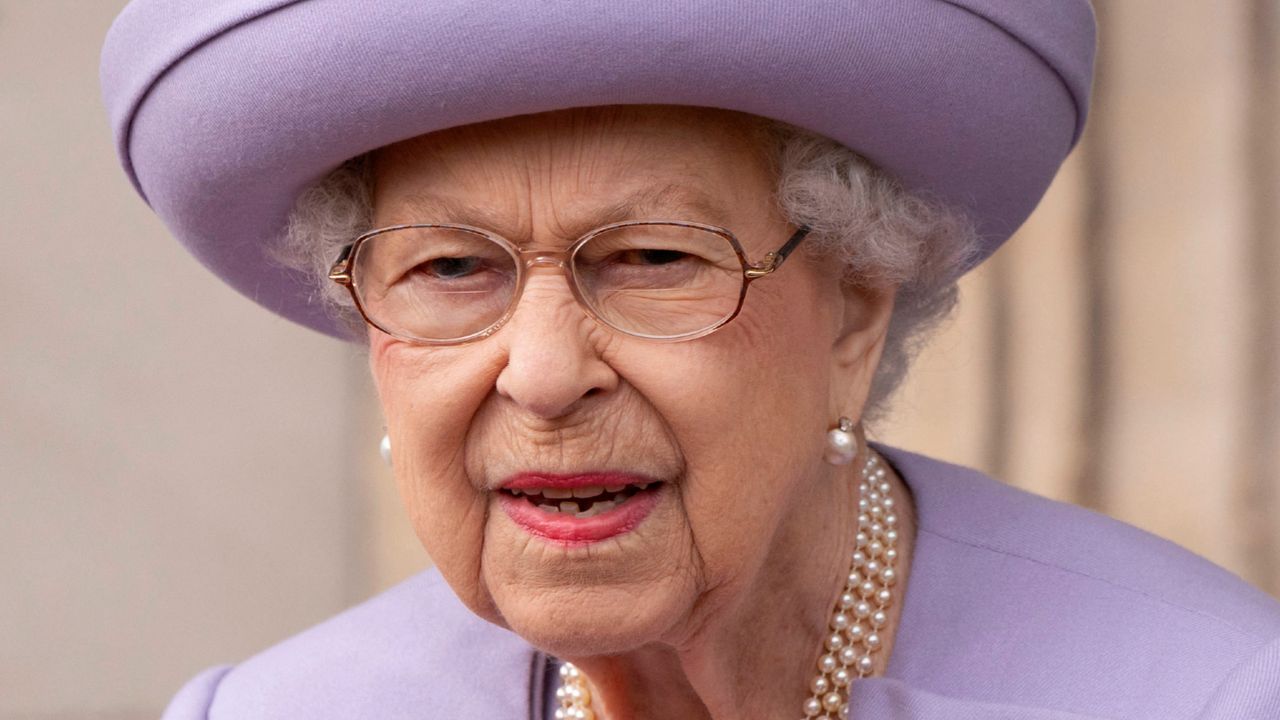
449 284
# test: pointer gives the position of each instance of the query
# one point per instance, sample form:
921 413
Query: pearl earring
842 444
384 447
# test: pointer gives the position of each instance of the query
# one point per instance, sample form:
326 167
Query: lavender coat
1017 608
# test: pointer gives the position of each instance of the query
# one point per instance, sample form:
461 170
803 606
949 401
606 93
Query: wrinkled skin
731 578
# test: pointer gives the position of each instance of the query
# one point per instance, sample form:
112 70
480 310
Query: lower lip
569 530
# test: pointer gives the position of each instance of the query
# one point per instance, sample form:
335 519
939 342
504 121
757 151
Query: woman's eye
449 268
650 256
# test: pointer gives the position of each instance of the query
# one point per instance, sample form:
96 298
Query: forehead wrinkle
674 201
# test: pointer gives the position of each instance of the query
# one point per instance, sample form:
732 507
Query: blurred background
185 479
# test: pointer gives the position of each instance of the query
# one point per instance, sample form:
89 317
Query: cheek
748 405
756 383
429 396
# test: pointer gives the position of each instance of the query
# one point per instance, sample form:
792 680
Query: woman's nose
553 358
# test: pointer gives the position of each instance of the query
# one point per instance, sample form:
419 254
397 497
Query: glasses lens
433 283
659 280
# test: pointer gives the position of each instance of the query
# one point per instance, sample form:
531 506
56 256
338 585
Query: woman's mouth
578 509
581 502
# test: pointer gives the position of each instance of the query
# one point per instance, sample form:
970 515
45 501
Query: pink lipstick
578 509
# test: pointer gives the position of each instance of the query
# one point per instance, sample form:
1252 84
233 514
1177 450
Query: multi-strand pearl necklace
859 616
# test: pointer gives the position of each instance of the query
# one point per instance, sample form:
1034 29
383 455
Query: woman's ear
859 340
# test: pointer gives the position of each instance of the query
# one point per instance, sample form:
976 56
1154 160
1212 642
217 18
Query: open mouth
580 502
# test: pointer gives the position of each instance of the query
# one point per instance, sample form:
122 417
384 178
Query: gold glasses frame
341 273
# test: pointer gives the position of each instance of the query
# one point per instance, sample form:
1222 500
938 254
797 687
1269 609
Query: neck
756 656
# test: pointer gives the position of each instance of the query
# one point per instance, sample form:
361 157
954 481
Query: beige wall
172 499
1123 351
176 484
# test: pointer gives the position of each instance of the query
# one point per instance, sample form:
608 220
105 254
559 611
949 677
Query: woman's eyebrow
418 207
674 201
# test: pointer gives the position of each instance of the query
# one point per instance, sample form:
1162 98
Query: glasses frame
525 260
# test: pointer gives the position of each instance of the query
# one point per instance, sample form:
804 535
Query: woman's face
728 428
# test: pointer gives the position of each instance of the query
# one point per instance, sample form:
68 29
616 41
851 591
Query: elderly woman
632 277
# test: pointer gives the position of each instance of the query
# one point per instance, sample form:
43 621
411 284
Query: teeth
579 492
569 507
597 508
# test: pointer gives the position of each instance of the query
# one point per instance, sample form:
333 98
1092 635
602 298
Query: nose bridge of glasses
553 258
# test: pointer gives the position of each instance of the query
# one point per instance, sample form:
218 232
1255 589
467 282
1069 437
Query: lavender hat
224 110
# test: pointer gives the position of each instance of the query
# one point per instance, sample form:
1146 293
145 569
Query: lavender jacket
1017 608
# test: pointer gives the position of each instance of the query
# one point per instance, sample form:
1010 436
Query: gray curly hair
860 217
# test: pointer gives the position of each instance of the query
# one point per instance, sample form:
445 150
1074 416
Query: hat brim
225 111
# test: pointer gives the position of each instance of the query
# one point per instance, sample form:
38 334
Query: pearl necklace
859 615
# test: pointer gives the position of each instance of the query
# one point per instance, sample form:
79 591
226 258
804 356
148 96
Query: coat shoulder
411 651
970 508
1081 612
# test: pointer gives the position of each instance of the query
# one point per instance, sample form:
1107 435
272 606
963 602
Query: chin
567 625
595 598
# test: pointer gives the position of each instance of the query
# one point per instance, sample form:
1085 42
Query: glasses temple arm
774 259
340 271
790 245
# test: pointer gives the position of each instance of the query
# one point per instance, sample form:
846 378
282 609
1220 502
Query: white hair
860 217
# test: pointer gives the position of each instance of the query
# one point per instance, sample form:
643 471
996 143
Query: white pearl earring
384 447
842 444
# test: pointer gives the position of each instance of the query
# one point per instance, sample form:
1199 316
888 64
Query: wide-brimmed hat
225 110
